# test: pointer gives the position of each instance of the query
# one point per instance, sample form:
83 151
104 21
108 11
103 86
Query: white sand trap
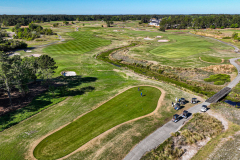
163 40
115 30
28 51
69 73
159 37
14 54
148 38
36 55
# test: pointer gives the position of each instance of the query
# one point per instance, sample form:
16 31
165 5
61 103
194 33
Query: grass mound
198 128
211 59
124 107
218 79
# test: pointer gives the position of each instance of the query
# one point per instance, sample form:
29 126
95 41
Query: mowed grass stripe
124 107
83 42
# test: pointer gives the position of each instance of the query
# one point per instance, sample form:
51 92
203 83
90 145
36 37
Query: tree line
17 72
33 31
200 22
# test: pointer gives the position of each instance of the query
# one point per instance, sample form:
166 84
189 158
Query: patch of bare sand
148 38
14 54
191 150
34 55
154 62
163 40
35 143
104 70
219 117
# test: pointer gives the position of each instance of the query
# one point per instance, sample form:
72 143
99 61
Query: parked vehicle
177 106
183 101
204 108
194 100
175 118
185 114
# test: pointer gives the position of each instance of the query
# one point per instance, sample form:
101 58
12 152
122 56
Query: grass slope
124 107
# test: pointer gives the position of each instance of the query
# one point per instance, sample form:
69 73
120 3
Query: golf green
184 46
124 107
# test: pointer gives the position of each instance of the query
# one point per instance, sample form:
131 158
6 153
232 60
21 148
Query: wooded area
17 72
169 21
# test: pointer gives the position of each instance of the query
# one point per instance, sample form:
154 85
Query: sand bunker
34 55
163 40
159 37
14 54
68 73
28 51
148 38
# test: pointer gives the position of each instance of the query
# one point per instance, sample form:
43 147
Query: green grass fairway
124 107
83 42
184 47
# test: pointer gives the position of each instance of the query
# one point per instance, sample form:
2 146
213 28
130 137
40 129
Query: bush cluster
8 45
33 31
218 79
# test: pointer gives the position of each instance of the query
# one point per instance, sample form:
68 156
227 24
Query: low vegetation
234 95
197 129
218 79
124 107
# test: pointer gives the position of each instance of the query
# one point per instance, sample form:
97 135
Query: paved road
162 133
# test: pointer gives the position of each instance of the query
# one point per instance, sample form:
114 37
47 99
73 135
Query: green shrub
219 83
218 79
226 38
175 134
208 80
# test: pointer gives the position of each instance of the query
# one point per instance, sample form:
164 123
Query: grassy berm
198 128
124 107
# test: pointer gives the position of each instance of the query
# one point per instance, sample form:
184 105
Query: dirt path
35 143
219 117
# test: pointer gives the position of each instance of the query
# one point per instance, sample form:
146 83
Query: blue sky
119 7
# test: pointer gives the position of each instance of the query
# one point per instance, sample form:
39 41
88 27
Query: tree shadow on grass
73 81
14 117
46 100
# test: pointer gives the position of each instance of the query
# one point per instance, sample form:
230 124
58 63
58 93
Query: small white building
154 22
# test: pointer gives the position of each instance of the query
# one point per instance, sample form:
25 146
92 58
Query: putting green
124 107
184 47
